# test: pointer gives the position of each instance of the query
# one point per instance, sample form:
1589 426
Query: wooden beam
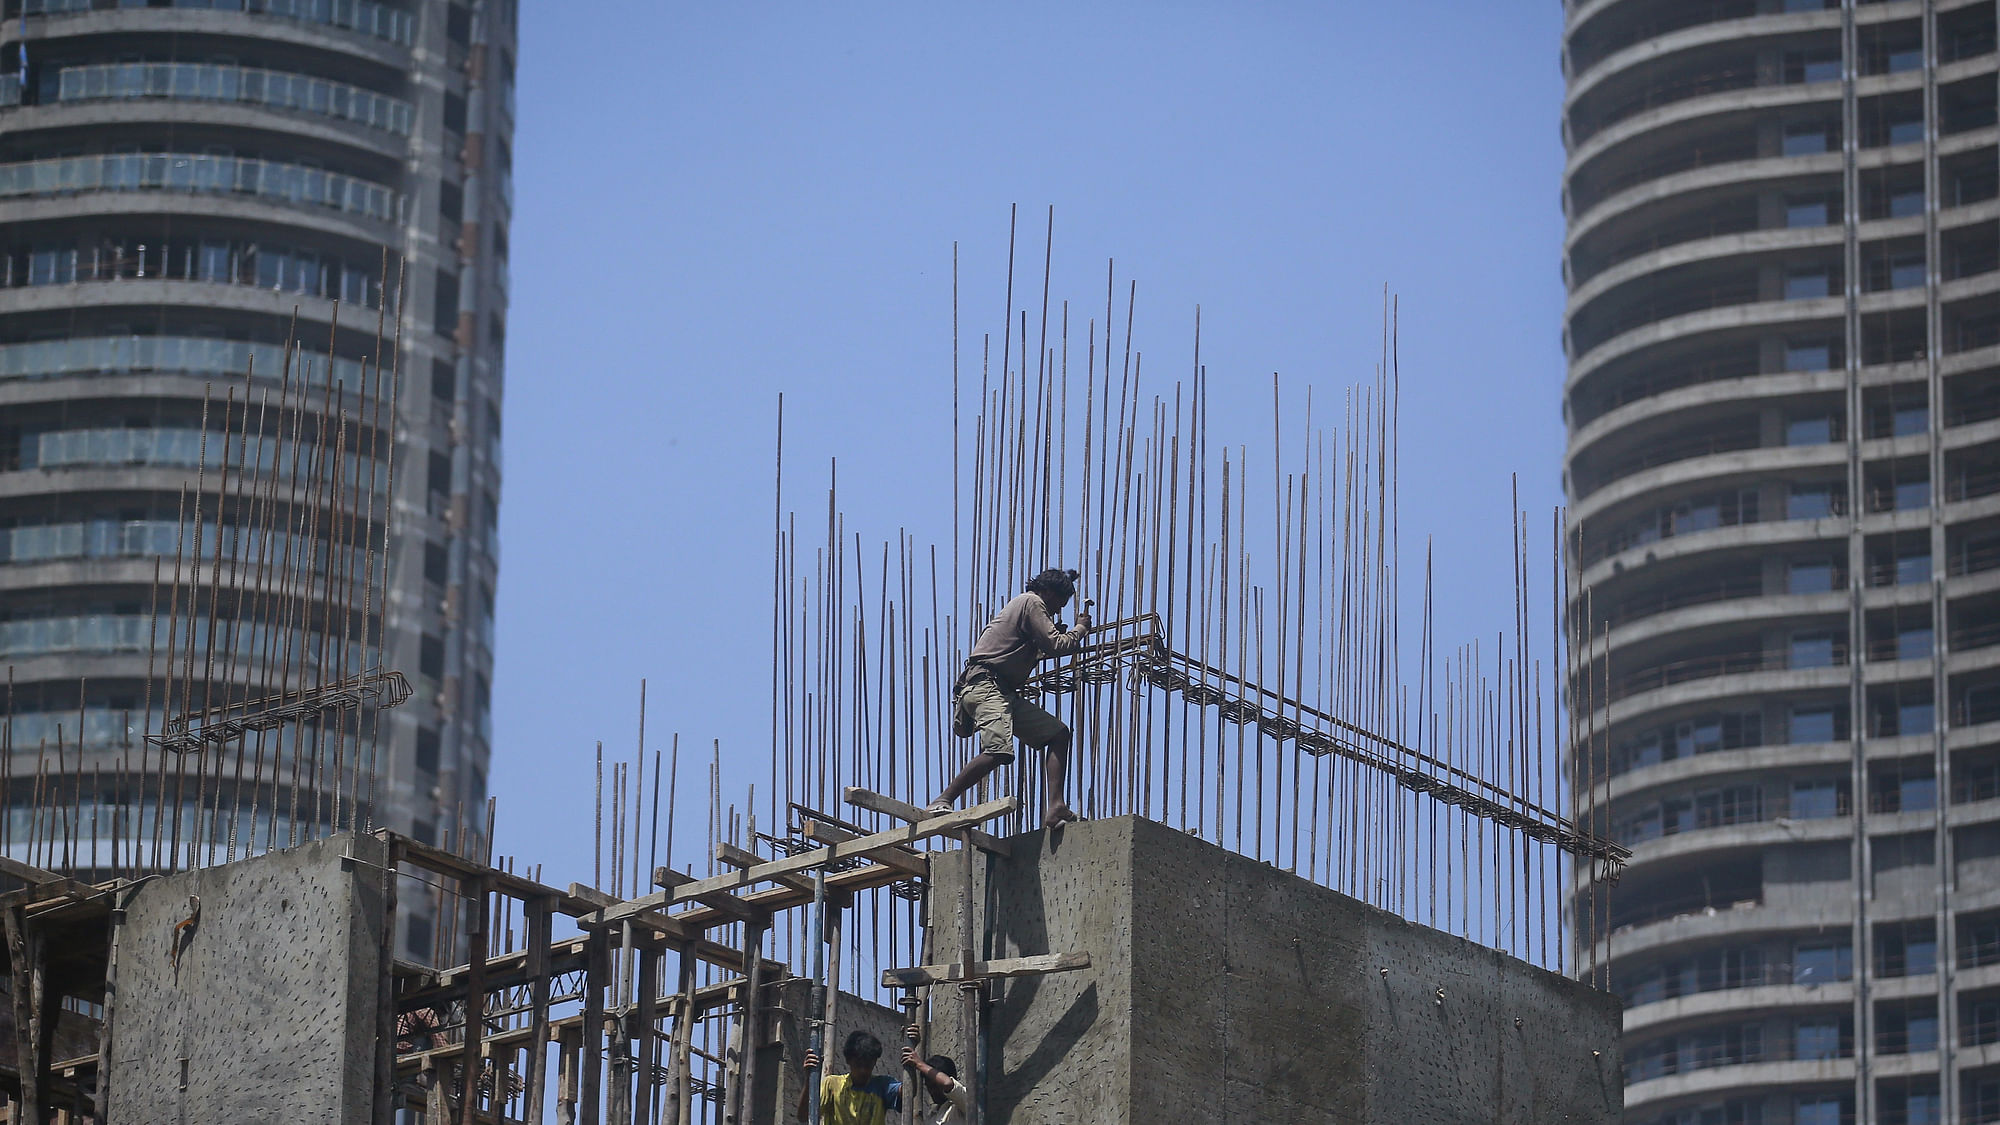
736 880
897 856
726 852
671 928
727 903
903 810
955 973
29 873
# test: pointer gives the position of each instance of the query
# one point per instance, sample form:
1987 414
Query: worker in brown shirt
989 692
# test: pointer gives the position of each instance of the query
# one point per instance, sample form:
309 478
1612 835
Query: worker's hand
811 1061
1083 619
911 1060
913 1033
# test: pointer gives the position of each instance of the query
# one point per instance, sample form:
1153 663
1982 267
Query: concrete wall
269 1013
1224 990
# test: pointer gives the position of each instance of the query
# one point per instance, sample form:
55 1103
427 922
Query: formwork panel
260 1004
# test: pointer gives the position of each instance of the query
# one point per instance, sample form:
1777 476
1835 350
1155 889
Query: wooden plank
763 873
29 873
902 859
726 852
903 810
955 973
597 901
720 900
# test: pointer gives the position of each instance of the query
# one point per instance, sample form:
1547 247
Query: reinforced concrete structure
183 188
1783 402
1223 989
1213 988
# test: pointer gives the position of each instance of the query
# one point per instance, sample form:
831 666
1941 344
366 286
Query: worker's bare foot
939 807
1058 814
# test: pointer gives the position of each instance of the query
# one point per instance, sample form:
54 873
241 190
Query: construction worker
859 1097
987 697
950 1101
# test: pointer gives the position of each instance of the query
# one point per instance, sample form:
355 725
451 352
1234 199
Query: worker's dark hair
862 1047
943 1063
1061 583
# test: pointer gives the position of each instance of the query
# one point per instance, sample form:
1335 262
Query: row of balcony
367 17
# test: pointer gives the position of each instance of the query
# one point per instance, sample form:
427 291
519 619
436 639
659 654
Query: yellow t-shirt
841 1102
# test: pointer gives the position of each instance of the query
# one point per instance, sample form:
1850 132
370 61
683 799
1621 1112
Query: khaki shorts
1000 716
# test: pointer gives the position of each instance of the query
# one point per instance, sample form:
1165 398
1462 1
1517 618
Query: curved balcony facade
1783 334
183 187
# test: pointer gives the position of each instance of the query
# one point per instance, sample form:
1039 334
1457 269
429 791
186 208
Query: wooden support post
568 1081
541 913
618 1106
595 962
681 1049
648 1016
470 1059
24 960
437 1097
739 1085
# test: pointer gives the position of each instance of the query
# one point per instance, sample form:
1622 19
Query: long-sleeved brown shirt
1017 638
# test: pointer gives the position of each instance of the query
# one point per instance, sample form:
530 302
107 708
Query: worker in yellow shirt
859 1097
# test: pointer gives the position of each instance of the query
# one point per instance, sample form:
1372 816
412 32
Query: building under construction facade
1783 403
208 212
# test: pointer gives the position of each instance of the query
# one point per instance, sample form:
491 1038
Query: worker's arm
811 1063
1042 632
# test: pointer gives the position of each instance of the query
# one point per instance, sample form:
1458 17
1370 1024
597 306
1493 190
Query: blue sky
717 203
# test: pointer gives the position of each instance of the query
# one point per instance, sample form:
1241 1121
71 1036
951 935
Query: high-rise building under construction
184 186
1783 404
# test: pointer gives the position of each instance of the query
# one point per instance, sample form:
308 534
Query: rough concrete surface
266 1014
1224 990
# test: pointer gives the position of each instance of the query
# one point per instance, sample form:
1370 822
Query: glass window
1909 58
1811 650
1910 420
1817 1111
1905 204
1906 272
1809 431
1911 569
1805 140
1916 794
1913 494
1915 718
1817 1040
1805 284
1806 213
1813 577
1913 644
1812 725
1808 355
1809 502
1815 800
1920 958
1822 964
1906 132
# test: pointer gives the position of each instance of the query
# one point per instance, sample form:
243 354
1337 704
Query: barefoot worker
988 694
